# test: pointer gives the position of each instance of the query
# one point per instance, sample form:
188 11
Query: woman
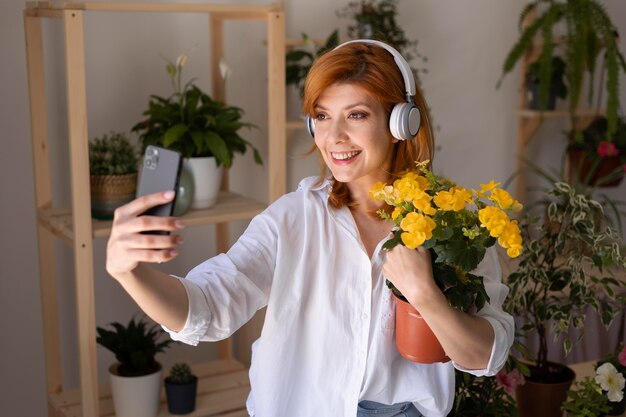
314 259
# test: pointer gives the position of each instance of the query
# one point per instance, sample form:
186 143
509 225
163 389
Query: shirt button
364 316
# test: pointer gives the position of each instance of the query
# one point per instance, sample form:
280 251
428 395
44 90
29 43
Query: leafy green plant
585 399
134 346
376 19
481 396
192 123
299 60
566 263
180 373
112 154
588 31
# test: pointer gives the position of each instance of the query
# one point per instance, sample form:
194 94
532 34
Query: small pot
415 340
136 396
181 398
544 399
108 192
207 179
581 163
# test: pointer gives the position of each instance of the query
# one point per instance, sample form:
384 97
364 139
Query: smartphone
160 171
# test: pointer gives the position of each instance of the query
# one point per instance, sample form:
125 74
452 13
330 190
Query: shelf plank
230 207
223 388
234 11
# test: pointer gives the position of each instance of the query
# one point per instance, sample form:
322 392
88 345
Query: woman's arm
129 251
466 339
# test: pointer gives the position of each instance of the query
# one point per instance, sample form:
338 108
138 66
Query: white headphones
404 121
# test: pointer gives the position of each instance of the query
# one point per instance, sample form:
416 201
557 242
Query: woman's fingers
154 256
153 242
152 223
143 203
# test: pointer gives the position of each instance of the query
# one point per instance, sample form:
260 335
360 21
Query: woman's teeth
345 155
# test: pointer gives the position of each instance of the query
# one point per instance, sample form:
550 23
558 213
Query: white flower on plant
181 61
611 381
225 69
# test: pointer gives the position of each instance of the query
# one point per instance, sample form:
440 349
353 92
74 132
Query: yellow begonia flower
504 200
396 212
511 239
461 197
417 229
485 188
423 204
453 200
444 200
494 219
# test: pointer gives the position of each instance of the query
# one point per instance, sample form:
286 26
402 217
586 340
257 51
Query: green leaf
173 134
217 147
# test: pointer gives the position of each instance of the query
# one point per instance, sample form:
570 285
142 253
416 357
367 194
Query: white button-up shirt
328 340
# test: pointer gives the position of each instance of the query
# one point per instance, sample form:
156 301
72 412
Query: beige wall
465 42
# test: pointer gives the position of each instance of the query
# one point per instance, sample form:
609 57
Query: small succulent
112 154
180 373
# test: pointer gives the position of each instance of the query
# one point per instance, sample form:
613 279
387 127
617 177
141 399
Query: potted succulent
557 87
136 377
566 265
376 19
588 31
113 173
205 131
299 60
180 389
596 157
457 226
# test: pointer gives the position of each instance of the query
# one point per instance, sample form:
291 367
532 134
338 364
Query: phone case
160 172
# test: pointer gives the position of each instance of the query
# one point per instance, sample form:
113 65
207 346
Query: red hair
374 69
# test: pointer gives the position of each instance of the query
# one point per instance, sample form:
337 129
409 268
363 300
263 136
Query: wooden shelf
295 125
234 11
223 387
230 207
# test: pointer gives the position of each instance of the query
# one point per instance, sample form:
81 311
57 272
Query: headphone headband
403 66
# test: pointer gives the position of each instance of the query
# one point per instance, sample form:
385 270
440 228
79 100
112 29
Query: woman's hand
410 271
128 246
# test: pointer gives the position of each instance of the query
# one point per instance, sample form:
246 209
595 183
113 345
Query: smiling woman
315 259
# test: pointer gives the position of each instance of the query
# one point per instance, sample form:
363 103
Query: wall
465 43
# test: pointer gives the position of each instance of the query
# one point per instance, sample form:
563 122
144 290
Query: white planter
135 396
207 179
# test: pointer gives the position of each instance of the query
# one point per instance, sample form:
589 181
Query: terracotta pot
581 163
414 339
543 399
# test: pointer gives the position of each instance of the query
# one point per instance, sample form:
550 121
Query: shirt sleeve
502 322
225 291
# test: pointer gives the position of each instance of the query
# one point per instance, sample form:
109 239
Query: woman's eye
320 116
358 115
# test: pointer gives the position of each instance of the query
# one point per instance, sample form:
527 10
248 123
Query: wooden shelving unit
224 384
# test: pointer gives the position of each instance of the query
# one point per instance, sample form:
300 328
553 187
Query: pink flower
510 381
622 355
607 149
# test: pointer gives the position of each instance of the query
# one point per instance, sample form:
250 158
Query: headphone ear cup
310 125
404 122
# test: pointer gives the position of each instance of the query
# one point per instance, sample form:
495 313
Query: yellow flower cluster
417 199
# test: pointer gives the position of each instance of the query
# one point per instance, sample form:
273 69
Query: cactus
112 154
180 373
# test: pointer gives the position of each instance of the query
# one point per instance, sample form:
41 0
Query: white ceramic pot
207 179
135 396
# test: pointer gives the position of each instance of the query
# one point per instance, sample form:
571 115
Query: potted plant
486 396
205 131
180 389
113 173
299 60
565 266
557 87
593 397
596 157
588 31
136 377
457 226
376 19
617 406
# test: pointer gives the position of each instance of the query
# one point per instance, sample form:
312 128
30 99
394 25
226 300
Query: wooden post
81 208
277 147
43 199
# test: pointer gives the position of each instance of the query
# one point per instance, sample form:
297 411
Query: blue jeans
371 408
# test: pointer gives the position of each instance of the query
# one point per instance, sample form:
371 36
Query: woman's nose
337 132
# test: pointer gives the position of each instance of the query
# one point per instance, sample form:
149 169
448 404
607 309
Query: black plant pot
534 103
181 398
617 409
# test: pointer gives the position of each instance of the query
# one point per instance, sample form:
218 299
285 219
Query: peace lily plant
455 224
